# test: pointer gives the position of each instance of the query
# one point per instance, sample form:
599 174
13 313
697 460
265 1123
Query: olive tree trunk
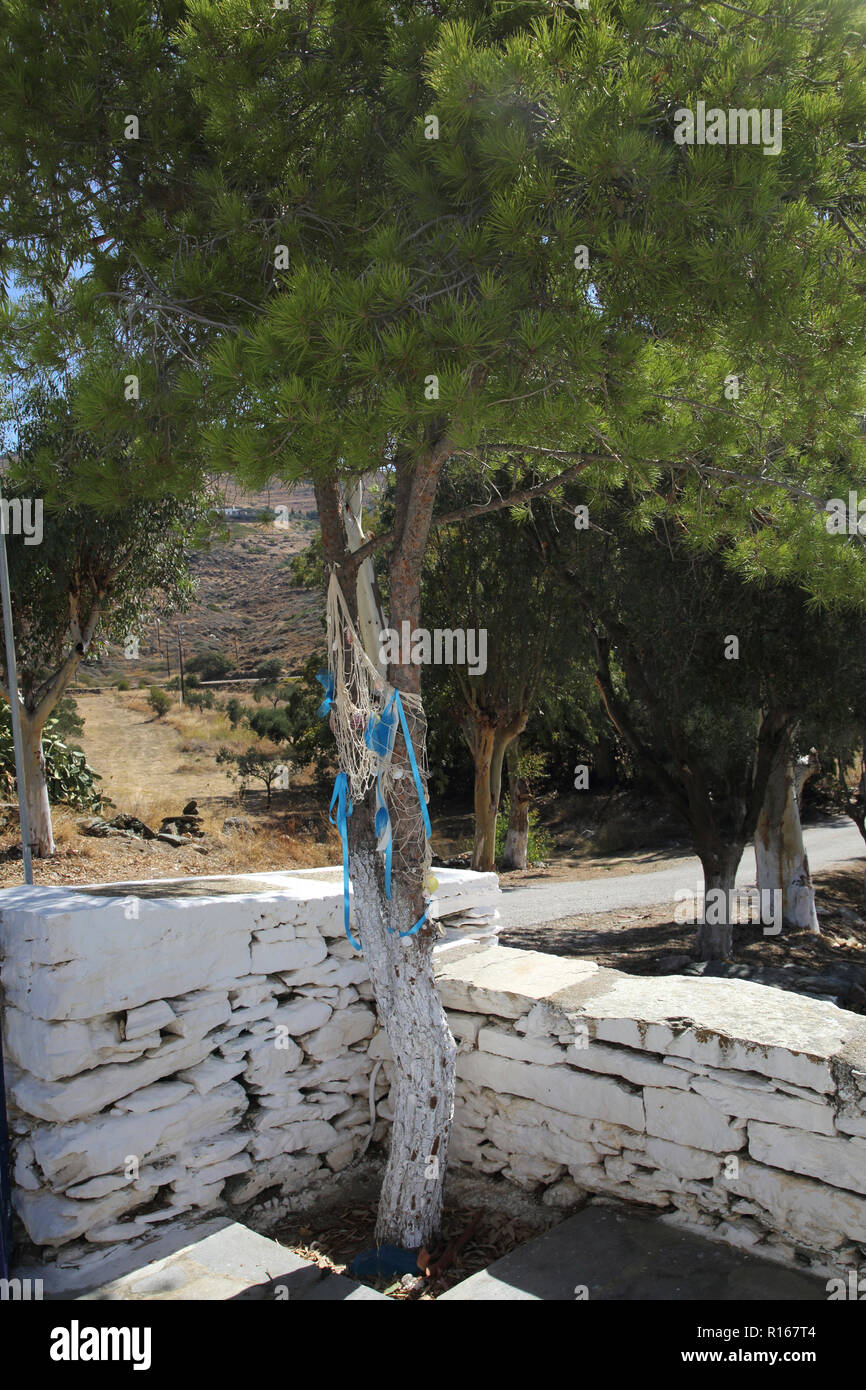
489 740
38 808
519 802
35 710
715 939
485 799
780 855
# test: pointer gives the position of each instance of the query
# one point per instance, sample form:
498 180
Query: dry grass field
151 768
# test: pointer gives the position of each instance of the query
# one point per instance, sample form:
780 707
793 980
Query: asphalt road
836 842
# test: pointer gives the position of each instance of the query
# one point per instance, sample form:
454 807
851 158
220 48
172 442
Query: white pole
12 679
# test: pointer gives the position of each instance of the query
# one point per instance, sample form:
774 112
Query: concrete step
603 1253
233 1263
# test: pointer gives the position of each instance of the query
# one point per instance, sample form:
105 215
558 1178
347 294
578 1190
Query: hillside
245 605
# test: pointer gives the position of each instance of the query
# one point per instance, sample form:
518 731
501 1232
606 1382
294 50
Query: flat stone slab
507 982
233 1263
616 1256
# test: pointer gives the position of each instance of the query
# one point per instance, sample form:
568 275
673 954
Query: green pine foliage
431 291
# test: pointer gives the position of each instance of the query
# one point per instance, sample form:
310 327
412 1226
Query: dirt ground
335 1238
484 1218
645 941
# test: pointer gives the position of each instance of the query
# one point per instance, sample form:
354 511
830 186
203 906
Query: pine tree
368 235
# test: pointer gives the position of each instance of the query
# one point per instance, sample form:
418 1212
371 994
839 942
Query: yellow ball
432 884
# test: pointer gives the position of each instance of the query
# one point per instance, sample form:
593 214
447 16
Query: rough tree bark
485 799
35 708
489 736
519 802
401 968
715 938
780 855
38 808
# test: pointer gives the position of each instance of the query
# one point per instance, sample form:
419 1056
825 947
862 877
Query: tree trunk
489 743
715 940
604 764
401 975
401 968
780 855
38 809
520 800
484 851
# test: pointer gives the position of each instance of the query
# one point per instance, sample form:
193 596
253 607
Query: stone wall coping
659 1008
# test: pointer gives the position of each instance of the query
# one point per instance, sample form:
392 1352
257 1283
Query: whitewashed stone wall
177 1055
735 1109
170 1054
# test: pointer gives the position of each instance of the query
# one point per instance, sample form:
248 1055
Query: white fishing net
361 693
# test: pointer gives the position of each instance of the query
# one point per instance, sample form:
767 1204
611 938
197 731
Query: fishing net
371 740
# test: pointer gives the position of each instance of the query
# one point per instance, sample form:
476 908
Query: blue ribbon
379 737
381 731
412 930
327 680
384 834
344 810
419 787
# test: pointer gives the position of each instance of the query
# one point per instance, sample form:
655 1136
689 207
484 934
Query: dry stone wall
734 1109
162 1055
172 1055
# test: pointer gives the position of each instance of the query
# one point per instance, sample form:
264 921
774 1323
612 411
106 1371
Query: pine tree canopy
341 235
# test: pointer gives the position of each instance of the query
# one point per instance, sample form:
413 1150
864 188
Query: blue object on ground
384 1260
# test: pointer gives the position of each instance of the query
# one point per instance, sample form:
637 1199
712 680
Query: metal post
12 679
5 1184
24 825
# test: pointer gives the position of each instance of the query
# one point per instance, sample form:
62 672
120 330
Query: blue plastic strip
344 810
380 732
379 737
419 787
412 930
384 834
327 680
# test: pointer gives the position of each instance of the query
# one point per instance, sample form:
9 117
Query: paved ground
833 843
234 1263
608 1255
603 1253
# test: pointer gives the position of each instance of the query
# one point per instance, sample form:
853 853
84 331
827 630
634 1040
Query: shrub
209 665
122 684
200 699
235 711
539 845
159 702
69 777
67 722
